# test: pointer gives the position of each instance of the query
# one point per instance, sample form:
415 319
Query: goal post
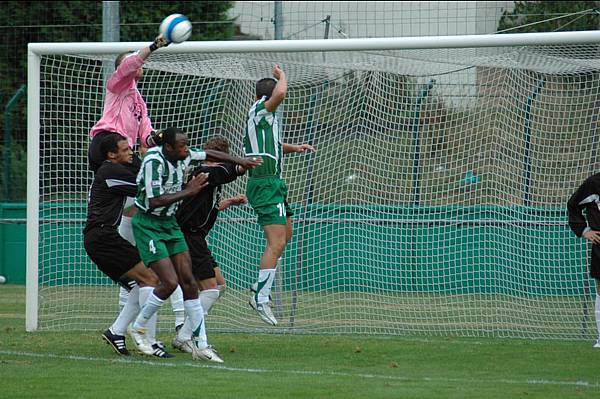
435 203
32 224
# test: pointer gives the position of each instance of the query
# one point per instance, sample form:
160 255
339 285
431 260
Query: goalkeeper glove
155 138
159 42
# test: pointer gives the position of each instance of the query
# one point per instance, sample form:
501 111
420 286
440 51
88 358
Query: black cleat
159 350
116 341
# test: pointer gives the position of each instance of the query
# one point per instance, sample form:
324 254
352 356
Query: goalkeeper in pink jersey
125 111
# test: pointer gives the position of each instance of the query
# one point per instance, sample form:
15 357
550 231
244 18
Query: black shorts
95 157
203 263
111 253
127 283
595 262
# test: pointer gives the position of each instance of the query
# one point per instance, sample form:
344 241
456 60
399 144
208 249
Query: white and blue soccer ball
176 28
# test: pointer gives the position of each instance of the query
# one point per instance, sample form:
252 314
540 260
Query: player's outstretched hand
251 162
159 42
305 147
197 183
239 199
157 137
593 236
277 72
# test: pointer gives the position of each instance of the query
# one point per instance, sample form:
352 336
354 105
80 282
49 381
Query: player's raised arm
158 42
279 91
239 199
218 156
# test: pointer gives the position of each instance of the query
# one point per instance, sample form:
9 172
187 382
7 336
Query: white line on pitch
304 372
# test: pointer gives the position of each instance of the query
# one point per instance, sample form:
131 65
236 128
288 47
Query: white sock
265 281
177 305
208 299
145 293
128 313
149 309
195 318
126 229
123 295
185 332
597 313
129 202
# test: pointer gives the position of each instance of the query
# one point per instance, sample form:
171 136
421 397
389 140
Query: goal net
435 203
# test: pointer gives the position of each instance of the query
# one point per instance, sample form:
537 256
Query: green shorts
157 237
268 198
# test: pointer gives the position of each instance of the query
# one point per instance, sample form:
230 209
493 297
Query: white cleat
140 340
597 343
183 346
206 354
253 289
264 311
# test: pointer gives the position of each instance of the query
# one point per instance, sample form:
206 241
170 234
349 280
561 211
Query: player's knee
169 286
149 280
208 284
188 282
289 230
145 277
277 246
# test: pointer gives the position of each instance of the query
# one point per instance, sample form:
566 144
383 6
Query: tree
541 16
23 22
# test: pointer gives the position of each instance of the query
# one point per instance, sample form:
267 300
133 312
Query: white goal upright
435 203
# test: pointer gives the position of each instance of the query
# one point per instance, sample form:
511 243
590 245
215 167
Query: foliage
527 16
16 189
81 21
142 22
26 22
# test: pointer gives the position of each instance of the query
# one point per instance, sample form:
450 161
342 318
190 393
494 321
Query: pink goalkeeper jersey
125 111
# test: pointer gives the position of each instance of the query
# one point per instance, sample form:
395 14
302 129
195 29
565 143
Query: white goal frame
36 50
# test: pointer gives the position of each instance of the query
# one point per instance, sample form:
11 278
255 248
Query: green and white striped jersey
263 139
158 176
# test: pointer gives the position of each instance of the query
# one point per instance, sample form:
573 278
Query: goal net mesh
435 203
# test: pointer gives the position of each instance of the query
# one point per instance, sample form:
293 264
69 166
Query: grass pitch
80 365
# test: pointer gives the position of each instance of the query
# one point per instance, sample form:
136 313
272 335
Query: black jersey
113 182
198 214
586 197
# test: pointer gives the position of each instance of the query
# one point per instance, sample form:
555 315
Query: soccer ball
176 28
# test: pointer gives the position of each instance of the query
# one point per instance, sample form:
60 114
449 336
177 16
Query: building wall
360 19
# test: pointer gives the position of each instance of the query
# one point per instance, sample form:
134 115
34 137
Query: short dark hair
264 87
170 135
217 143
121 57
110 143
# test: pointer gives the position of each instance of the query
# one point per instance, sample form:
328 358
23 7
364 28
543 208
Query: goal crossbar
395 43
